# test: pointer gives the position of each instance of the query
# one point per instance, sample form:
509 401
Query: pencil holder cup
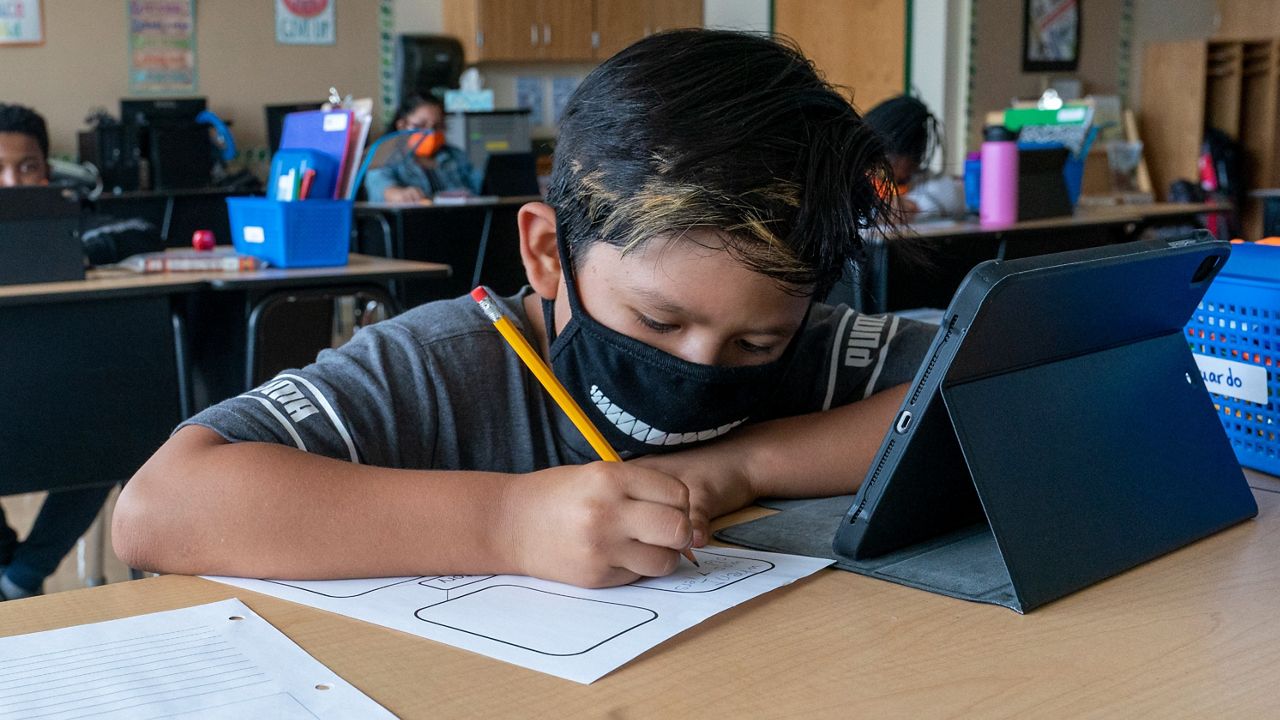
303 233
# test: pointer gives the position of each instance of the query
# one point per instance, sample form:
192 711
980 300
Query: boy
707 186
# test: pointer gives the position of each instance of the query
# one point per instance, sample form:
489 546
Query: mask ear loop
566 268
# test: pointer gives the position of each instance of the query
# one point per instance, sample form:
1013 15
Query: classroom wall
997 56
1164 20
83 63
1246 19
939 55
997 48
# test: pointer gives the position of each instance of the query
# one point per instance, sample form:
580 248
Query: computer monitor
275 119
160 111
164 133
510 174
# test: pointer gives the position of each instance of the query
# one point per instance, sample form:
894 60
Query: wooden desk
1093 216
1191 634
951 248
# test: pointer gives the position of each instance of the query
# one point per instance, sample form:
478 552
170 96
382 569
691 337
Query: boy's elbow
132 531
143 524
148 529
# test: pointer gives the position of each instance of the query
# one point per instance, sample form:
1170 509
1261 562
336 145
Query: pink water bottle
998 196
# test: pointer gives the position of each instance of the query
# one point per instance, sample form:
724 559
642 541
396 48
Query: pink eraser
479 294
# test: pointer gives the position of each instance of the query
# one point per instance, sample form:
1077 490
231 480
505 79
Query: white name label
335 122
1071 115
254 234
1238 380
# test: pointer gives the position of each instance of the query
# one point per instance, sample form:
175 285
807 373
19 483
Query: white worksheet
210 661
558 629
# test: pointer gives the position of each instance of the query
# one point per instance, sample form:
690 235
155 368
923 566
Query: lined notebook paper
210 661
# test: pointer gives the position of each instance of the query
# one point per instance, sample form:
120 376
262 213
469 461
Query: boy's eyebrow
658 301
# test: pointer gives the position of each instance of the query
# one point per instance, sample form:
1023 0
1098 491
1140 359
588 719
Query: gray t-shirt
438 388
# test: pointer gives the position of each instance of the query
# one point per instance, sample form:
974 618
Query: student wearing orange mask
423 165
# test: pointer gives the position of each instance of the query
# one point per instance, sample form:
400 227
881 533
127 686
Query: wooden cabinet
1230 85
573 30
566 29
858 45
506 30
521 30
622 22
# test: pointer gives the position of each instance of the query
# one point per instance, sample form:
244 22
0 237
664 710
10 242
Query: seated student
430 167
65 515
24 160
707 187
911 137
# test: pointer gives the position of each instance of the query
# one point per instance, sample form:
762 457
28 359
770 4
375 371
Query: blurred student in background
422 165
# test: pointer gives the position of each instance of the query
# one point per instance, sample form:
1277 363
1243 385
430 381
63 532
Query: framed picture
1051 35
21 23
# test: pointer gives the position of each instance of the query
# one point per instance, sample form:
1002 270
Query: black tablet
1059 411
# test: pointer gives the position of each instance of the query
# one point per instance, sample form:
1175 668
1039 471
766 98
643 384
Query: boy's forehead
14 144
698 256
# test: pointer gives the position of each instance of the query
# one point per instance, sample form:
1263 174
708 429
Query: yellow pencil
542 371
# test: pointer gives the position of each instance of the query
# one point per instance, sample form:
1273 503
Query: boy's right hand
597 525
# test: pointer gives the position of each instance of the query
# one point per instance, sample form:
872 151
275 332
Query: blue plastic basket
1235 336
305 233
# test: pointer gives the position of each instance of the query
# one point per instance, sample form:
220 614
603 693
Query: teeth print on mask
637 429
642 399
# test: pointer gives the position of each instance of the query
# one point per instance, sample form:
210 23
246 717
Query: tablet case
1058 433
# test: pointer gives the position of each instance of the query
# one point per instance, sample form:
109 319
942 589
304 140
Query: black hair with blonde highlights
716 129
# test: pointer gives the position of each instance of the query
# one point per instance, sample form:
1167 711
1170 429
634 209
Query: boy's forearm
814 455
260 510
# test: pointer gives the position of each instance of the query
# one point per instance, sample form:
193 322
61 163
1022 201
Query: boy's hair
716 129
409 105
906 127
21 119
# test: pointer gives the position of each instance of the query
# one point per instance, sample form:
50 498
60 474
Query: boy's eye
654 325
753 348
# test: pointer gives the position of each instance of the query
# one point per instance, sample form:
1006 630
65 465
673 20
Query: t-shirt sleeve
845 356
354 403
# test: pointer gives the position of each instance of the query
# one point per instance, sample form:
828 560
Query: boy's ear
537 223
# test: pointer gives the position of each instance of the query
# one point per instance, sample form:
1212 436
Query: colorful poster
305 22
162 46
21 22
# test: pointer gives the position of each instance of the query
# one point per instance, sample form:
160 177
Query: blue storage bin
303 233
1235 337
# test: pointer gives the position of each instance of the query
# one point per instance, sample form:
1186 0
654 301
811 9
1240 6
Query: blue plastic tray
305 233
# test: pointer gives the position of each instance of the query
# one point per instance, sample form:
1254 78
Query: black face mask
645 400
